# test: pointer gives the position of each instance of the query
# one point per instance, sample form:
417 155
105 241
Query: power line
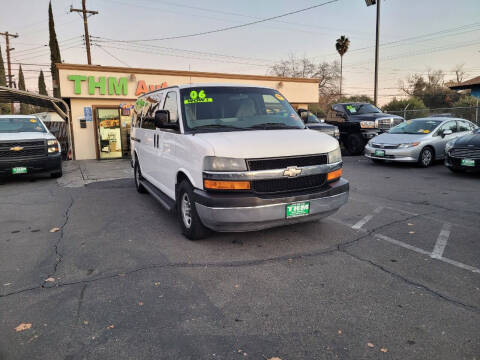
232 27
113 56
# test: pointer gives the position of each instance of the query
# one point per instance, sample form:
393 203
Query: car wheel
56 174
188 218
426 157
355 144
138 176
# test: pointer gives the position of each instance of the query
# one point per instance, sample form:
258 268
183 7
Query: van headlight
335 156
215 163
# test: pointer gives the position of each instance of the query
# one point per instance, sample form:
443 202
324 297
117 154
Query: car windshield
21 124
236 108
359 109
417 127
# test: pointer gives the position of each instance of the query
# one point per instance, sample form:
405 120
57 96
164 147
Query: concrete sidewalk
81 172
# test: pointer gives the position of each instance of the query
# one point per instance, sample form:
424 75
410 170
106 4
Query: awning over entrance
9 95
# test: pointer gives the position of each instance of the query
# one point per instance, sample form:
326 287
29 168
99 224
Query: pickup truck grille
276 186
466 153
388 123
284 162
35 148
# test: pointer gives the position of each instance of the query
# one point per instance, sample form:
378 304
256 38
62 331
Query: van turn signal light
226 185
334 175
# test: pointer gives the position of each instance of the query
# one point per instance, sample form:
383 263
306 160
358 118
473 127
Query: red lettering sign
142 87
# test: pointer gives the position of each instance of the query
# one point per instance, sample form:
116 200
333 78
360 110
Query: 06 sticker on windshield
198 97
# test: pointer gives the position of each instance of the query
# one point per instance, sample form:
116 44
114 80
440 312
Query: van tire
355 144
137 176
56 174
187 215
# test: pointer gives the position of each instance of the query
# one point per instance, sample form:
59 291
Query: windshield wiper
273 125
217 126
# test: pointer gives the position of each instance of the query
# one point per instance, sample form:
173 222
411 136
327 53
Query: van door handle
135 139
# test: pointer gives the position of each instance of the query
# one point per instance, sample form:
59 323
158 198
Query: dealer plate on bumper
297 209
379 152
19 170
468 162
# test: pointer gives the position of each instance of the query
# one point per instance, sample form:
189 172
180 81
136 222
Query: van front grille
283 185
284 162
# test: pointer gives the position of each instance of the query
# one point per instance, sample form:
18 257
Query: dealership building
102 99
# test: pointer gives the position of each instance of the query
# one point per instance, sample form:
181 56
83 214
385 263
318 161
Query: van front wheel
188 218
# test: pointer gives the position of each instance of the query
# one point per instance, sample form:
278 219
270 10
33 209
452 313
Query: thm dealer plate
19 170
468 162
379 152
297 209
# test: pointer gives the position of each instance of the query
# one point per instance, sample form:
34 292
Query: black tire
137 176
187 215
355 144
56 174
427 156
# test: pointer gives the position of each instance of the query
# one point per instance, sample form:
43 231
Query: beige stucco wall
298 92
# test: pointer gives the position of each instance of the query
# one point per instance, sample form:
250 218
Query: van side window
171 105
152 104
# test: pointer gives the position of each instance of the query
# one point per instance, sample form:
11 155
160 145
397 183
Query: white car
28 147
233 158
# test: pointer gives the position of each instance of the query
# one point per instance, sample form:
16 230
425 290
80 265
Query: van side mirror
446 132
162 120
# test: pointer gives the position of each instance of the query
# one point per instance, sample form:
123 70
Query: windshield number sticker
197 97
279 97
33 121
351 108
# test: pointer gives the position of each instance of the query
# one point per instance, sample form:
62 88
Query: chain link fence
471 113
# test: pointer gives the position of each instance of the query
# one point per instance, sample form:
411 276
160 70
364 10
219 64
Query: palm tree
342 45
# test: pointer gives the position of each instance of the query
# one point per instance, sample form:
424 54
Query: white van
233 158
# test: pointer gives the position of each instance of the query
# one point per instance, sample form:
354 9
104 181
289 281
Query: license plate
468 162
297 209
19 170
379 152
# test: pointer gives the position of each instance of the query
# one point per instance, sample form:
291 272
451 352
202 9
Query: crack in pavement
342 248
58 254
413 283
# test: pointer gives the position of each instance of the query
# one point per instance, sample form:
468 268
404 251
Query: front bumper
369 134
248 212
400 155
48 163
456 163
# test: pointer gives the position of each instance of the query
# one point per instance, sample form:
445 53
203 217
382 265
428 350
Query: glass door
109 133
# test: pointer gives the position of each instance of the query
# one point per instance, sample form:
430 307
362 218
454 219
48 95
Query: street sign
87 113
371 2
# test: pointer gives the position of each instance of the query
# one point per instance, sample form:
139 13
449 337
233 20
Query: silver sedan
419 141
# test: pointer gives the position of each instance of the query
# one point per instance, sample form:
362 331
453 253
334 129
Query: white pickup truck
233 158
27 147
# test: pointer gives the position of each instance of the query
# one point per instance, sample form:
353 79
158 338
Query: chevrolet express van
233 158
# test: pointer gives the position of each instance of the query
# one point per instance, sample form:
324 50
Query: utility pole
9 65
85 13
376 53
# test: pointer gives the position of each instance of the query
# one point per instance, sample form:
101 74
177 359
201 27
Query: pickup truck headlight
53 146
336 133
408 145
367 124
215 163
335 156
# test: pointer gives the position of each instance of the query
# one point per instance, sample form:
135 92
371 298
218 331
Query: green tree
55 56
342 45
4 108
355 98
24 108
467 108
42 88
415 107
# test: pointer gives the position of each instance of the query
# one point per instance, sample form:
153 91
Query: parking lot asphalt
395 274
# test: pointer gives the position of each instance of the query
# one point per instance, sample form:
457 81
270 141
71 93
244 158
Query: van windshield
20 124
226 108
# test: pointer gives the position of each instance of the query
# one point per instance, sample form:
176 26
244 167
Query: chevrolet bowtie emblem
16 148
292 171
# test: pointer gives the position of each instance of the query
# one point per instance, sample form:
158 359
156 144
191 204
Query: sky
416 36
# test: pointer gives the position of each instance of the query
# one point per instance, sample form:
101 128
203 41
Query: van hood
269 143
25 136
387 138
